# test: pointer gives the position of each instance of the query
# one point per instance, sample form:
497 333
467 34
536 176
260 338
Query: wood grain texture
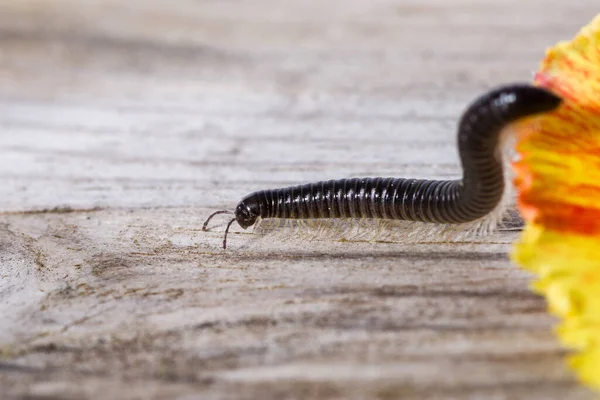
124 123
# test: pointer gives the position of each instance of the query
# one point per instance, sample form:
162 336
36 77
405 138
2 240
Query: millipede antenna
204 227
226 232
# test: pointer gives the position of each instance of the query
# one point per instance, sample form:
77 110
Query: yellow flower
558 178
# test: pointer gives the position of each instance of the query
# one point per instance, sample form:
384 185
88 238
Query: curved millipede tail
437 201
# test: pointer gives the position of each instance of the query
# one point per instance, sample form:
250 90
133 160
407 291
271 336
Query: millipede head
247 212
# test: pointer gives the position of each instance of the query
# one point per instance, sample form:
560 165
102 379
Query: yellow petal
558 178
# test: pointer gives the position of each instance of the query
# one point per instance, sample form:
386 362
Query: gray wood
125 123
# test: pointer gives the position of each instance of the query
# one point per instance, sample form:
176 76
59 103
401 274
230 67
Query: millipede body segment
437 201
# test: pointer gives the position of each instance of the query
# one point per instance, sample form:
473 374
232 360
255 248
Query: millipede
459 201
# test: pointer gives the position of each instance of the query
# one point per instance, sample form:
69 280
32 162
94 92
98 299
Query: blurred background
145 102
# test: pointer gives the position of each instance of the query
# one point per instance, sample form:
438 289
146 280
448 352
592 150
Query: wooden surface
124 123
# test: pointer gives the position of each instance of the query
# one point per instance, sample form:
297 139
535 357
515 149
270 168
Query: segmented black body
440 201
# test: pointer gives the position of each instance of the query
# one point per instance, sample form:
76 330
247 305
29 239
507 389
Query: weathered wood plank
125 123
